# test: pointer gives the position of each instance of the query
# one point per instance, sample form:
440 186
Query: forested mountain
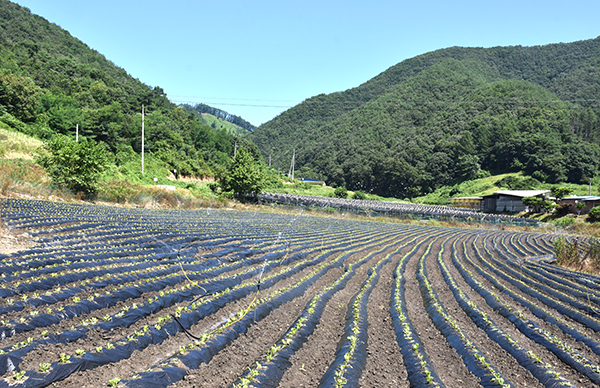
50 82
450 115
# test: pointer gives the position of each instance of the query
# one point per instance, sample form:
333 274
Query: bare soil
11 241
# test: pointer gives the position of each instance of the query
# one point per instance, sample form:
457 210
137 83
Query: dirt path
14 241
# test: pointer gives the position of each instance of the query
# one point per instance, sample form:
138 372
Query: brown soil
11 241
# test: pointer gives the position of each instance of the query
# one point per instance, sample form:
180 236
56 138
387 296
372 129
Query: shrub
517 183
564 222
483 174
594 214
359 195
566 251
340 192
563 209
73 165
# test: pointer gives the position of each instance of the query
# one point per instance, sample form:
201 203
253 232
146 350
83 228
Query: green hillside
51 82
220 119
448 116
218 123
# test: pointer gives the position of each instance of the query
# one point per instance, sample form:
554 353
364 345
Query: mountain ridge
319 131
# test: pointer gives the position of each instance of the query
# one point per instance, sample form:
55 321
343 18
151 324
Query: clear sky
257 58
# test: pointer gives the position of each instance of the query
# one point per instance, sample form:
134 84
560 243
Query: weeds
570 253
567 252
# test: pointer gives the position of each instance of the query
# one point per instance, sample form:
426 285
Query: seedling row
138 298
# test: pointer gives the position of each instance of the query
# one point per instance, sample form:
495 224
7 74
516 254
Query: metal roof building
589 201
312 181
467 202
510 200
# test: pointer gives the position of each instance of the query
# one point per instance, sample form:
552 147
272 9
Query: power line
412 102
233 98
232 104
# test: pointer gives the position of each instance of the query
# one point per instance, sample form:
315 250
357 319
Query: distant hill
51 82
448 116
220 119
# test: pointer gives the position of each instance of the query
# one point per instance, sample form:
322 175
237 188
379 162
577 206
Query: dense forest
447 116
50 82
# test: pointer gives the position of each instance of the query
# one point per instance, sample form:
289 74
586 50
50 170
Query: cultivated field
215 298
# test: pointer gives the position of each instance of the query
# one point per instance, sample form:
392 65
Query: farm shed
467 202
510 200
590 201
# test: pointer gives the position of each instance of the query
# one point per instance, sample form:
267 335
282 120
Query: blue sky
257 58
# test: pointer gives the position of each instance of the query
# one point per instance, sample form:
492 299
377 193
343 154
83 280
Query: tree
534 203
245 177
561 192
549 206
18 95
74 165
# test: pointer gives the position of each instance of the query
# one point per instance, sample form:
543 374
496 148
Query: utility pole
590 186
269 160
77 133
291 172
235 150
142 139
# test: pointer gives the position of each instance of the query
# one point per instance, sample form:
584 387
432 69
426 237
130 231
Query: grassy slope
20 175
219 123
15 144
